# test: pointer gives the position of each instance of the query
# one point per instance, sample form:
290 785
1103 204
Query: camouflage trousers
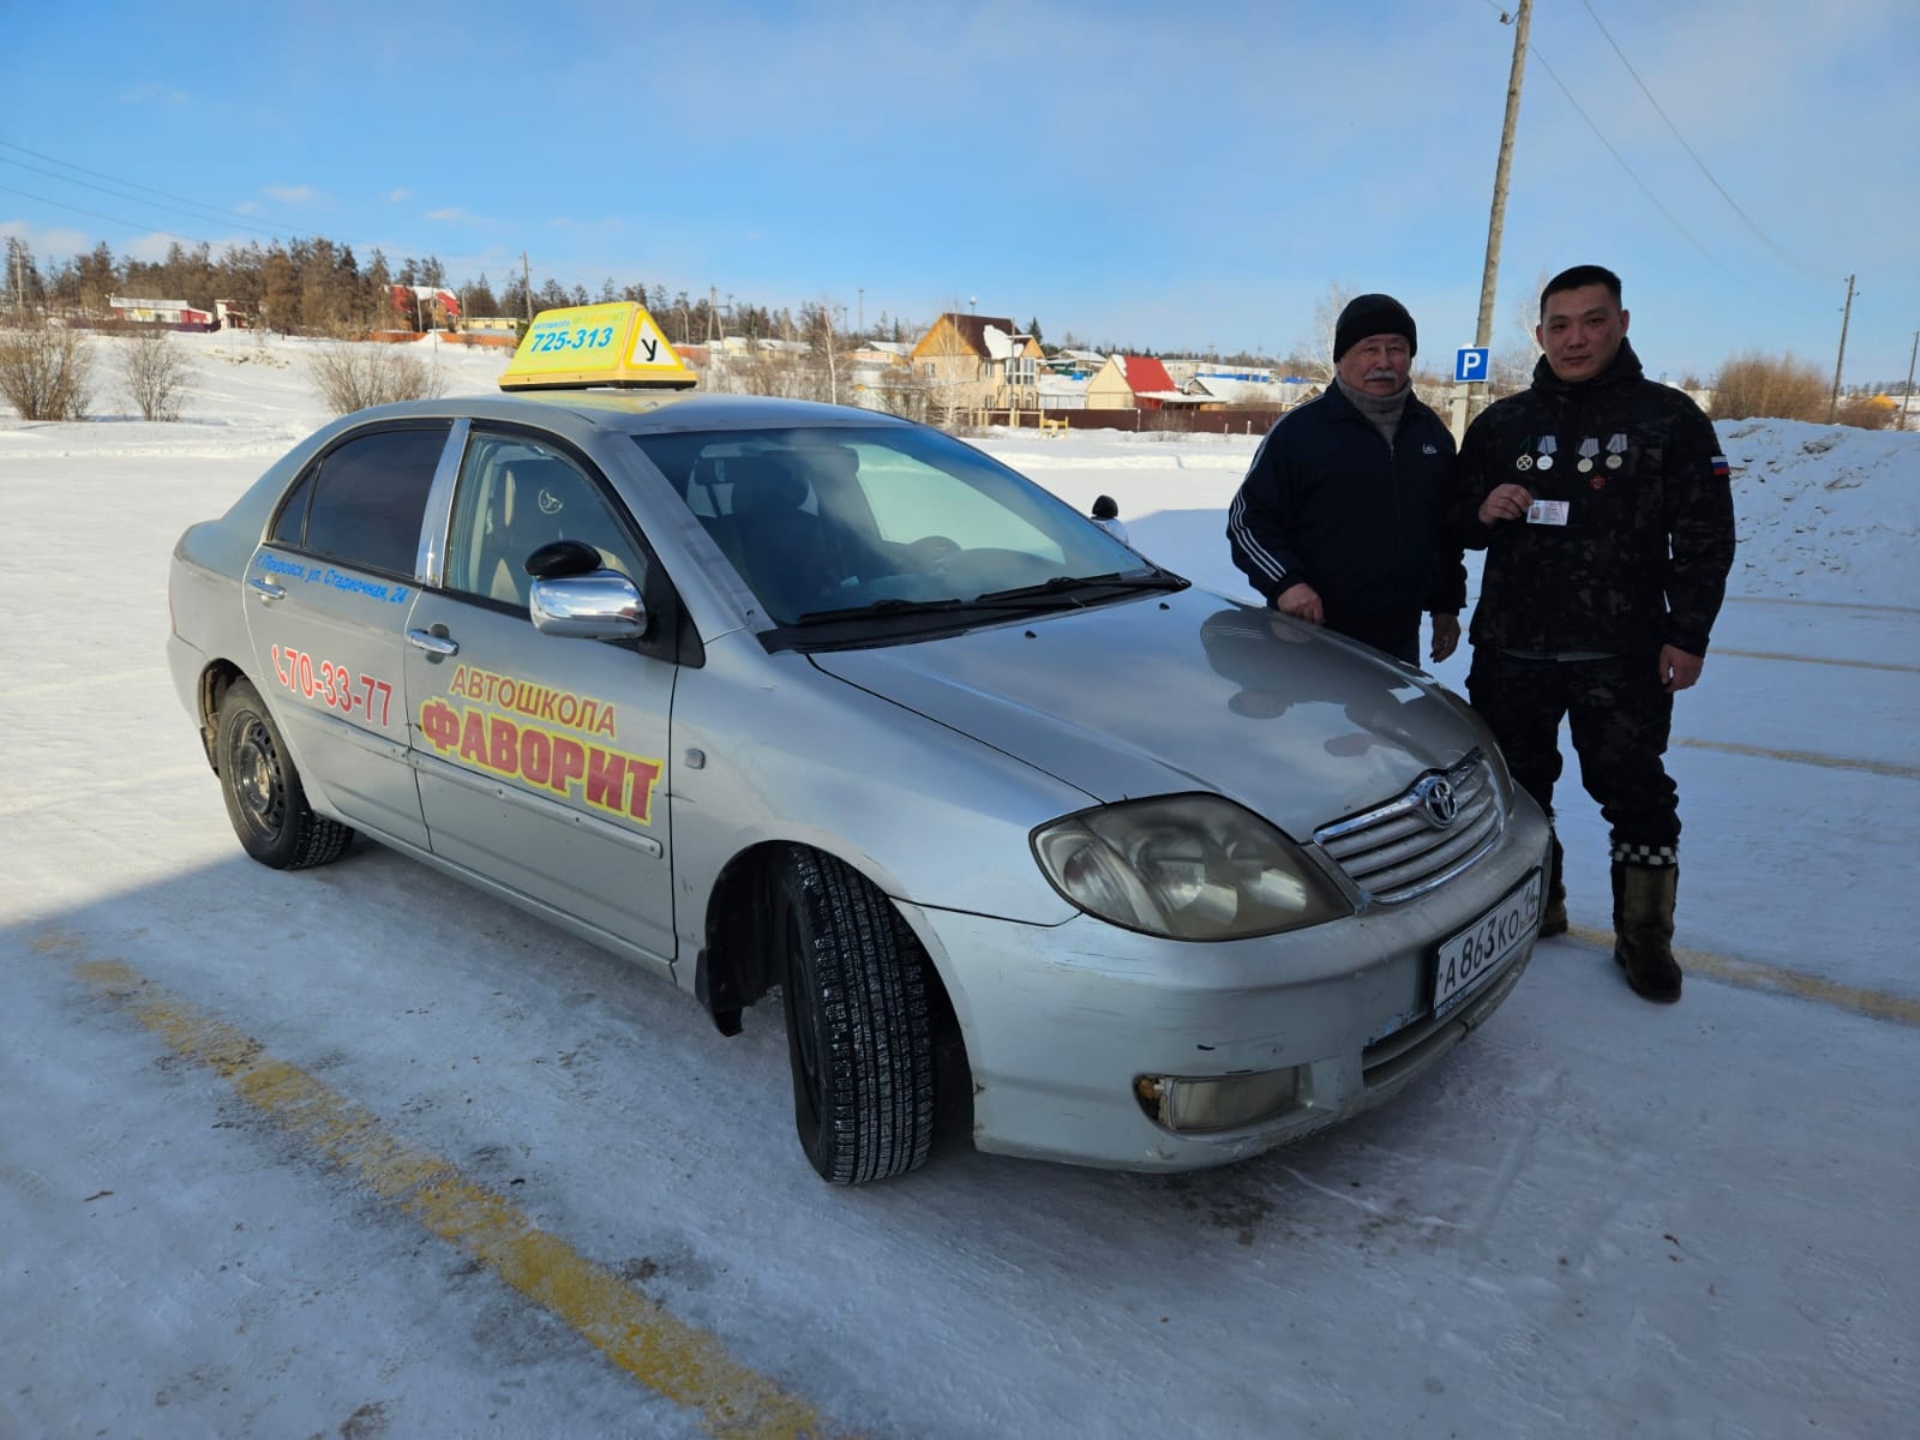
1619 717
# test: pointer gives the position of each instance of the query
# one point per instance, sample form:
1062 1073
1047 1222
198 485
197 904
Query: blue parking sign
1471 363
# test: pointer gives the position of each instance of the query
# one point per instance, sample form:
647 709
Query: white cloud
47 244
400 194
292 194
151 247
453 212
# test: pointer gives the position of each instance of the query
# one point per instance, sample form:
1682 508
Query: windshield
833 524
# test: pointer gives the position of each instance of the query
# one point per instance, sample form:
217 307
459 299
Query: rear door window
364 500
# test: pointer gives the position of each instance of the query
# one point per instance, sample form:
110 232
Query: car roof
637 412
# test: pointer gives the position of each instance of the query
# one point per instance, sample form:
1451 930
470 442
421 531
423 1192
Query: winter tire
265 800
859 1036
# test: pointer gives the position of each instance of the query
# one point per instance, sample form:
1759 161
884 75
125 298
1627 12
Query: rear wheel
859 1032
265 799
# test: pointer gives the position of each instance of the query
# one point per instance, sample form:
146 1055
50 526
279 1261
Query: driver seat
786 551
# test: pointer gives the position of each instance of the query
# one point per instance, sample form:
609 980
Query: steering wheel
929 550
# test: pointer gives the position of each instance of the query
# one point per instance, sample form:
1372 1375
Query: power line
215 213
1751 224
218 215
97 215
1671 220
238 218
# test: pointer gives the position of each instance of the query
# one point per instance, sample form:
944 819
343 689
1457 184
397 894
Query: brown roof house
977 362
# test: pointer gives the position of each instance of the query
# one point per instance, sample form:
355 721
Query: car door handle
267 590
433 644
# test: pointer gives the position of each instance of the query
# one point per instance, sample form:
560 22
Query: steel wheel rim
257 779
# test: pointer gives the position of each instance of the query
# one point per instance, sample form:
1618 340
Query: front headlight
1189 867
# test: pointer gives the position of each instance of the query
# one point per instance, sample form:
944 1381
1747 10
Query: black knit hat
1373 315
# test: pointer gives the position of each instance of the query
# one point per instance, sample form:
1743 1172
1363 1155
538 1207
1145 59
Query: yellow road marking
668 1356
1819 660
1776 979
1807 757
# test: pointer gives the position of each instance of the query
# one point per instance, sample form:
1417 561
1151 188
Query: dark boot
1643 897
1553 917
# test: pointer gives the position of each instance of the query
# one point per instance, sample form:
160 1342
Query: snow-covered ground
359 1152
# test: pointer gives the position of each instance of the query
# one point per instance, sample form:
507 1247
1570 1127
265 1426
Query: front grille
1398 850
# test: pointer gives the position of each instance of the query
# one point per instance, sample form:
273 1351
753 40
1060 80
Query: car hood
1174 693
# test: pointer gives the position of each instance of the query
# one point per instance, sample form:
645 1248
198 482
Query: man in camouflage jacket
1602 501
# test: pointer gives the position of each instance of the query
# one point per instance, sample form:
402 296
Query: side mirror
1106 514
597 605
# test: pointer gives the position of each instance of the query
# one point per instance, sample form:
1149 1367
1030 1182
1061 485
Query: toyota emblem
1437 798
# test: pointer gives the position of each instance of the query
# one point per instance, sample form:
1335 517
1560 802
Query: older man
1602 501
1340 520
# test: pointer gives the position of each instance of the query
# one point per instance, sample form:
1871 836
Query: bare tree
1751 385
1514 357
351 376
1316 348
154 372
46 371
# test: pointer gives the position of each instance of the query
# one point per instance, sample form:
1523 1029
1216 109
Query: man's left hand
1446 636
1678 669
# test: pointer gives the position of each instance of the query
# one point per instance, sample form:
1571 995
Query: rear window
362 503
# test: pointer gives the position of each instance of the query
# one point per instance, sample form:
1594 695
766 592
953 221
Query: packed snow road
360 1152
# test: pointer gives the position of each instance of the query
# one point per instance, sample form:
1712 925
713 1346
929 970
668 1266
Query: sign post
1472 365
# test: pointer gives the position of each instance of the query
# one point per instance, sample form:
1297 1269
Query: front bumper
1060 1022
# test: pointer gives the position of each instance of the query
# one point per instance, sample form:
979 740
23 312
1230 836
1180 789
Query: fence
1178 422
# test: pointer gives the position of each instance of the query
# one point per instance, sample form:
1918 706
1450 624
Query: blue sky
1180 177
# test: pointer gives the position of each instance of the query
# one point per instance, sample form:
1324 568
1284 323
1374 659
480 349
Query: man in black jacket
1340 520
1602 501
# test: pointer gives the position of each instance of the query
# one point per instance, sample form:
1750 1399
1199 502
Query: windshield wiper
1066 589
879 608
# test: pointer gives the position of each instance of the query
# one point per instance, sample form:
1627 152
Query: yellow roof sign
583 345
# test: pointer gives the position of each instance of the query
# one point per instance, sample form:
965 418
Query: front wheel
265 800
859 1032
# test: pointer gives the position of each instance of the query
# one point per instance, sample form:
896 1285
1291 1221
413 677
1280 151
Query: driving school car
782 699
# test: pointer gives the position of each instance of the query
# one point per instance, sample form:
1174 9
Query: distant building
1135 382
174 314
973 362
425 307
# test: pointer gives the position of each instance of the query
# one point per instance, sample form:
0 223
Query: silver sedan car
780 699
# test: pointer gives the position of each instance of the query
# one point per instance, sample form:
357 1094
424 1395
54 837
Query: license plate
1476 954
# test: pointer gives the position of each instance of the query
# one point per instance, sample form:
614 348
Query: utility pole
1497 218
1833 404
1906 400
526 283
862 292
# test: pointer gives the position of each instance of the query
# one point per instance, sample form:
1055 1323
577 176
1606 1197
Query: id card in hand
1547 512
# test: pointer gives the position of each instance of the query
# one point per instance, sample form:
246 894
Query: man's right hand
1506 502
1302 602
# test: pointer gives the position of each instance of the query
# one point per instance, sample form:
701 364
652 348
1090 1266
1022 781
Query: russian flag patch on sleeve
1720 467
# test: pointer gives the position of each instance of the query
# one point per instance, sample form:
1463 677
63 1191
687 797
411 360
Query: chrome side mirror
600 605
